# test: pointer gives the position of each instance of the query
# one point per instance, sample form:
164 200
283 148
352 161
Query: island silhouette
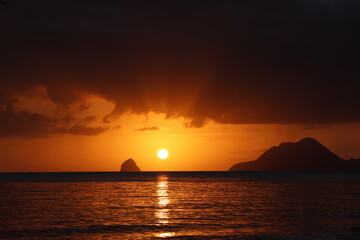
306 155
129 166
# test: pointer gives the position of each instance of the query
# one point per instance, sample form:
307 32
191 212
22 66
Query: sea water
180 205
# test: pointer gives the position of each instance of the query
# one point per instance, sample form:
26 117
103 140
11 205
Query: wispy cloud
154 128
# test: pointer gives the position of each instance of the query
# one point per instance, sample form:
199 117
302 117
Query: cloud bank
286 62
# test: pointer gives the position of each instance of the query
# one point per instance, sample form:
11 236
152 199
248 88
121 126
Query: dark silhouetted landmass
354 163
129 166
306 155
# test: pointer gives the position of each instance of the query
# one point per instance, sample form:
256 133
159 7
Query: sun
162 154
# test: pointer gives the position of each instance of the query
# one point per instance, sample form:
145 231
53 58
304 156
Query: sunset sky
85 85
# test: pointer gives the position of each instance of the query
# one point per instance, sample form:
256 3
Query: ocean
180 205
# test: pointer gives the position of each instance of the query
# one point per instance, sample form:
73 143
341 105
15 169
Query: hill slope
306 155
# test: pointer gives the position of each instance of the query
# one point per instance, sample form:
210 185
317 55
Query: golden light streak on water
163 197
165 235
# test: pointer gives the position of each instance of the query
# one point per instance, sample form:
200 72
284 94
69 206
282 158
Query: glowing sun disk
162 154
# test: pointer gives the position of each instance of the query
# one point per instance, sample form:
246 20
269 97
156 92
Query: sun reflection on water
163 200
165 235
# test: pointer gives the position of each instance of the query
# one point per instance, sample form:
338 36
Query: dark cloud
33 125
154 128
24 124
228 61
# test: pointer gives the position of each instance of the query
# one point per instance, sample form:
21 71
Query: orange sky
85 86
214 147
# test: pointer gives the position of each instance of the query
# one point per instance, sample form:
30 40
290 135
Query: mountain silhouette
306 155
129 166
